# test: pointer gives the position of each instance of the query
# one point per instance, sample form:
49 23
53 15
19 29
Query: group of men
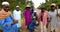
45 20
10 23
33 20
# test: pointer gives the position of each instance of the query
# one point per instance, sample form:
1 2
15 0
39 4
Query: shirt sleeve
13 13
20 12
58 11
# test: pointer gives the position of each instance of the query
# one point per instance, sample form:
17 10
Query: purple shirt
28 17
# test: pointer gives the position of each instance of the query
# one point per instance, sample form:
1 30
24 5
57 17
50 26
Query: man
54 17
6 21
43 19
34 22
17 16
28 16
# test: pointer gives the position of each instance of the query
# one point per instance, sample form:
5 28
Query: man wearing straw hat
28 16
53 17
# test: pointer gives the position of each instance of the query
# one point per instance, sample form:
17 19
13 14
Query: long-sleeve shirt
28 17
6 23
44 18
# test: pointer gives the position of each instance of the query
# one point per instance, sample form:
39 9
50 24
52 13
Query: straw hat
28 6
17 6
53 4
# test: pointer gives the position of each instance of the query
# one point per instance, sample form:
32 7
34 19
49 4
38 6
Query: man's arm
58 13
48 20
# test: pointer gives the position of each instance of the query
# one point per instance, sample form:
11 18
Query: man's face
28 8
42 9
53 7
6 8
17 8
34 13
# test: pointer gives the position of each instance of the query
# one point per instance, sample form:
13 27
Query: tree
48 4
13 3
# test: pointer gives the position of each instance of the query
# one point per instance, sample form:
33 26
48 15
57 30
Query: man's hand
58 15
15 21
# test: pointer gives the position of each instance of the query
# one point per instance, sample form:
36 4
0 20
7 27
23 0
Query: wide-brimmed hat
28 6
53 4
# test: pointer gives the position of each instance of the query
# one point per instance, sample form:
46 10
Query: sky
37 2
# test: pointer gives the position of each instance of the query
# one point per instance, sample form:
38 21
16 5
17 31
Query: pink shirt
45 17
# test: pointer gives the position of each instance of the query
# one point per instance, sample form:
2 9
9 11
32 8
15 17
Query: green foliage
48 4
13 3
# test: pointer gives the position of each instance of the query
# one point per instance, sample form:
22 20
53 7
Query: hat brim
53 6
28 7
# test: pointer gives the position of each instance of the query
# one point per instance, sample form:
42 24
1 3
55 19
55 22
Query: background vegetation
48 4
23 3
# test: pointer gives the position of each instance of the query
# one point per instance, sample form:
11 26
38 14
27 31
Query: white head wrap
5 3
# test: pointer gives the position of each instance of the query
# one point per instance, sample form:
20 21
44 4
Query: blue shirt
32 25
7 25
32 10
